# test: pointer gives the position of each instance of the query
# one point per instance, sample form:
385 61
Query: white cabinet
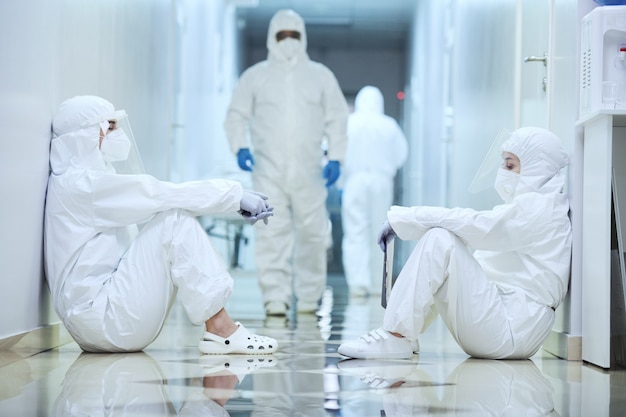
604 145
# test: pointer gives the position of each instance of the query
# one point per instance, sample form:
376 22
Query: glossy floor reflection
306 377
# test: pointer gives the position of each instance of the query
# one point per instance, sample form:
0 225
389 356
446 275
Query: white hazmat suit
377 148
111 285
290 104
498 302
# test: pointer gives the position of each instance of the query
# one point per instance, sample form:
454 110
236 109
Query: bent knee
438 236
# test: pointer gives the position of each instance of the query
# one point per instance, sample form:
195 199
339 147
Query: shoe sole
276 313
364 355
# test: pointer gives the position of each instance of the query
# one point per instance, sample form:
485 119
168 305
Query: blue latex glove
385 235
245 159
331 172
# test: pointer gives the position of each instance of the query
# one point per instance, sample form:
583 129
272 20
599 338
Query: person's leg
274 246
411 304
220 324
310 220
380 199
443 276
171 252
355 244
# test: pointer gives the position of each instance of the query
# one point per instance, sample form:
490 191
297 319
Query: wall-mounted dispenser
603 60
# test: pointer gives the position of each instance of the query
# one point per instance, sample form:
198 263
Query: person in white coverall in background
289 104
499 301
377 148
113 285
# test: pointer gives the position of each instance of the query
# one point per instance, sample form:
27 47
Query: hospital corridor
315 208
305 377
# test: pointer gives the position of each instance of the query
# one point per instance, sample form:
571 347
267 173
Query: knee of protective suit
438 236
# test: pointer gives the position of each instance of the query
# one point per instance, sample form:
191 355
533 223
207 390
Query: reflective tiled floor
306 377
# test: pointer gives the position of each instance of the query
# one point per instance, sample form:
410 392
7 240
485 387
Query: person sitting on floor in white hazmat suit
111 284
377 148
286 105
499 301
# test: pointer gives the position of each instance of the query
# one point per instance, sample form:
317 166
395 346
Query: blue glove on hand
331 172
245 159
254 206
385 235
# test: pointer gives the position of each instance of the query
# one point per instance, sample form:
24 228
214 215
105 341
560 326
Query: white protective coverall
377 148
289 106
111 289
499 301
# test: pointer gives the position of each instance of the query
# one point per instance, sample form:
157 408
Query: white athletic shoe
359 291
275 308
379 344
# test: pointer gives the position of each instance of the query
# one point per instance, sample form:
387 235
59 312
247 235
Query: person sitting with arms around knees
495 277
119 244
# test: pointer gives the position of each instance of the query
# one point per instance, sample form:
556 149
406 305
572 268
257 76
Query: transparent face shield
110 124
486 174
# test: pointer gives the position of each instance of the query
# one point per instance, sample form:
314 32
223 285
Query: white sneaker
275 308
359 291
379 344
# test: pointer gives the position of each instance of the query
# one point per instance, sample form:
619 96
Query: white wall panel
124 51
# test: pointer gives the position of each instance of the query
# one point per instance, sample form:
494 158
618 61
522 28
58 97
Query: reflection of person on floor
385 377
15 374
295 387
132 382
211 401
222 374
495 276
361 307
478 388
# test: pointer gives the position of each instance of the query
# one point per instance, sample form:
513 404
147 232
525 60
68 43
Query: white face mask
289 47
115 146
506 182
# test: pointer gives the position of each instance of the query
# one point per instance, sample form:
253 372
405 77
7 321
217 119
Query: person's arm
239 113
335 118
119 200
506 227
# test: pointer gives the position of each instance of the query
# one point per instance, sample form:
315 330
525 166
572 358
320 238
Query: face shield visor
118 144
485 177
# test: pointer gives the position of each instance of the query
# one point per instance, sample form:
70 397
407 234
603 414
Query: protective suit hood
541 156
76 134
369 99
286 19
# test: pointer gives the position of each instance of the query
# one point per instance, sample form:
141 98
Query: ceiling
340 24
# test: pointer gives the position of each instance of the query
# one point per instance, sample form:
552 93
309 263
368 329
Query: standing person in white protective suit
376 150
111 284
289 104
498 302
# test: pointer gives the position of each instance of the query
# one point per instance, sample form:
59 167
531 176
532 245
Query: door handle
543 59
533 58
